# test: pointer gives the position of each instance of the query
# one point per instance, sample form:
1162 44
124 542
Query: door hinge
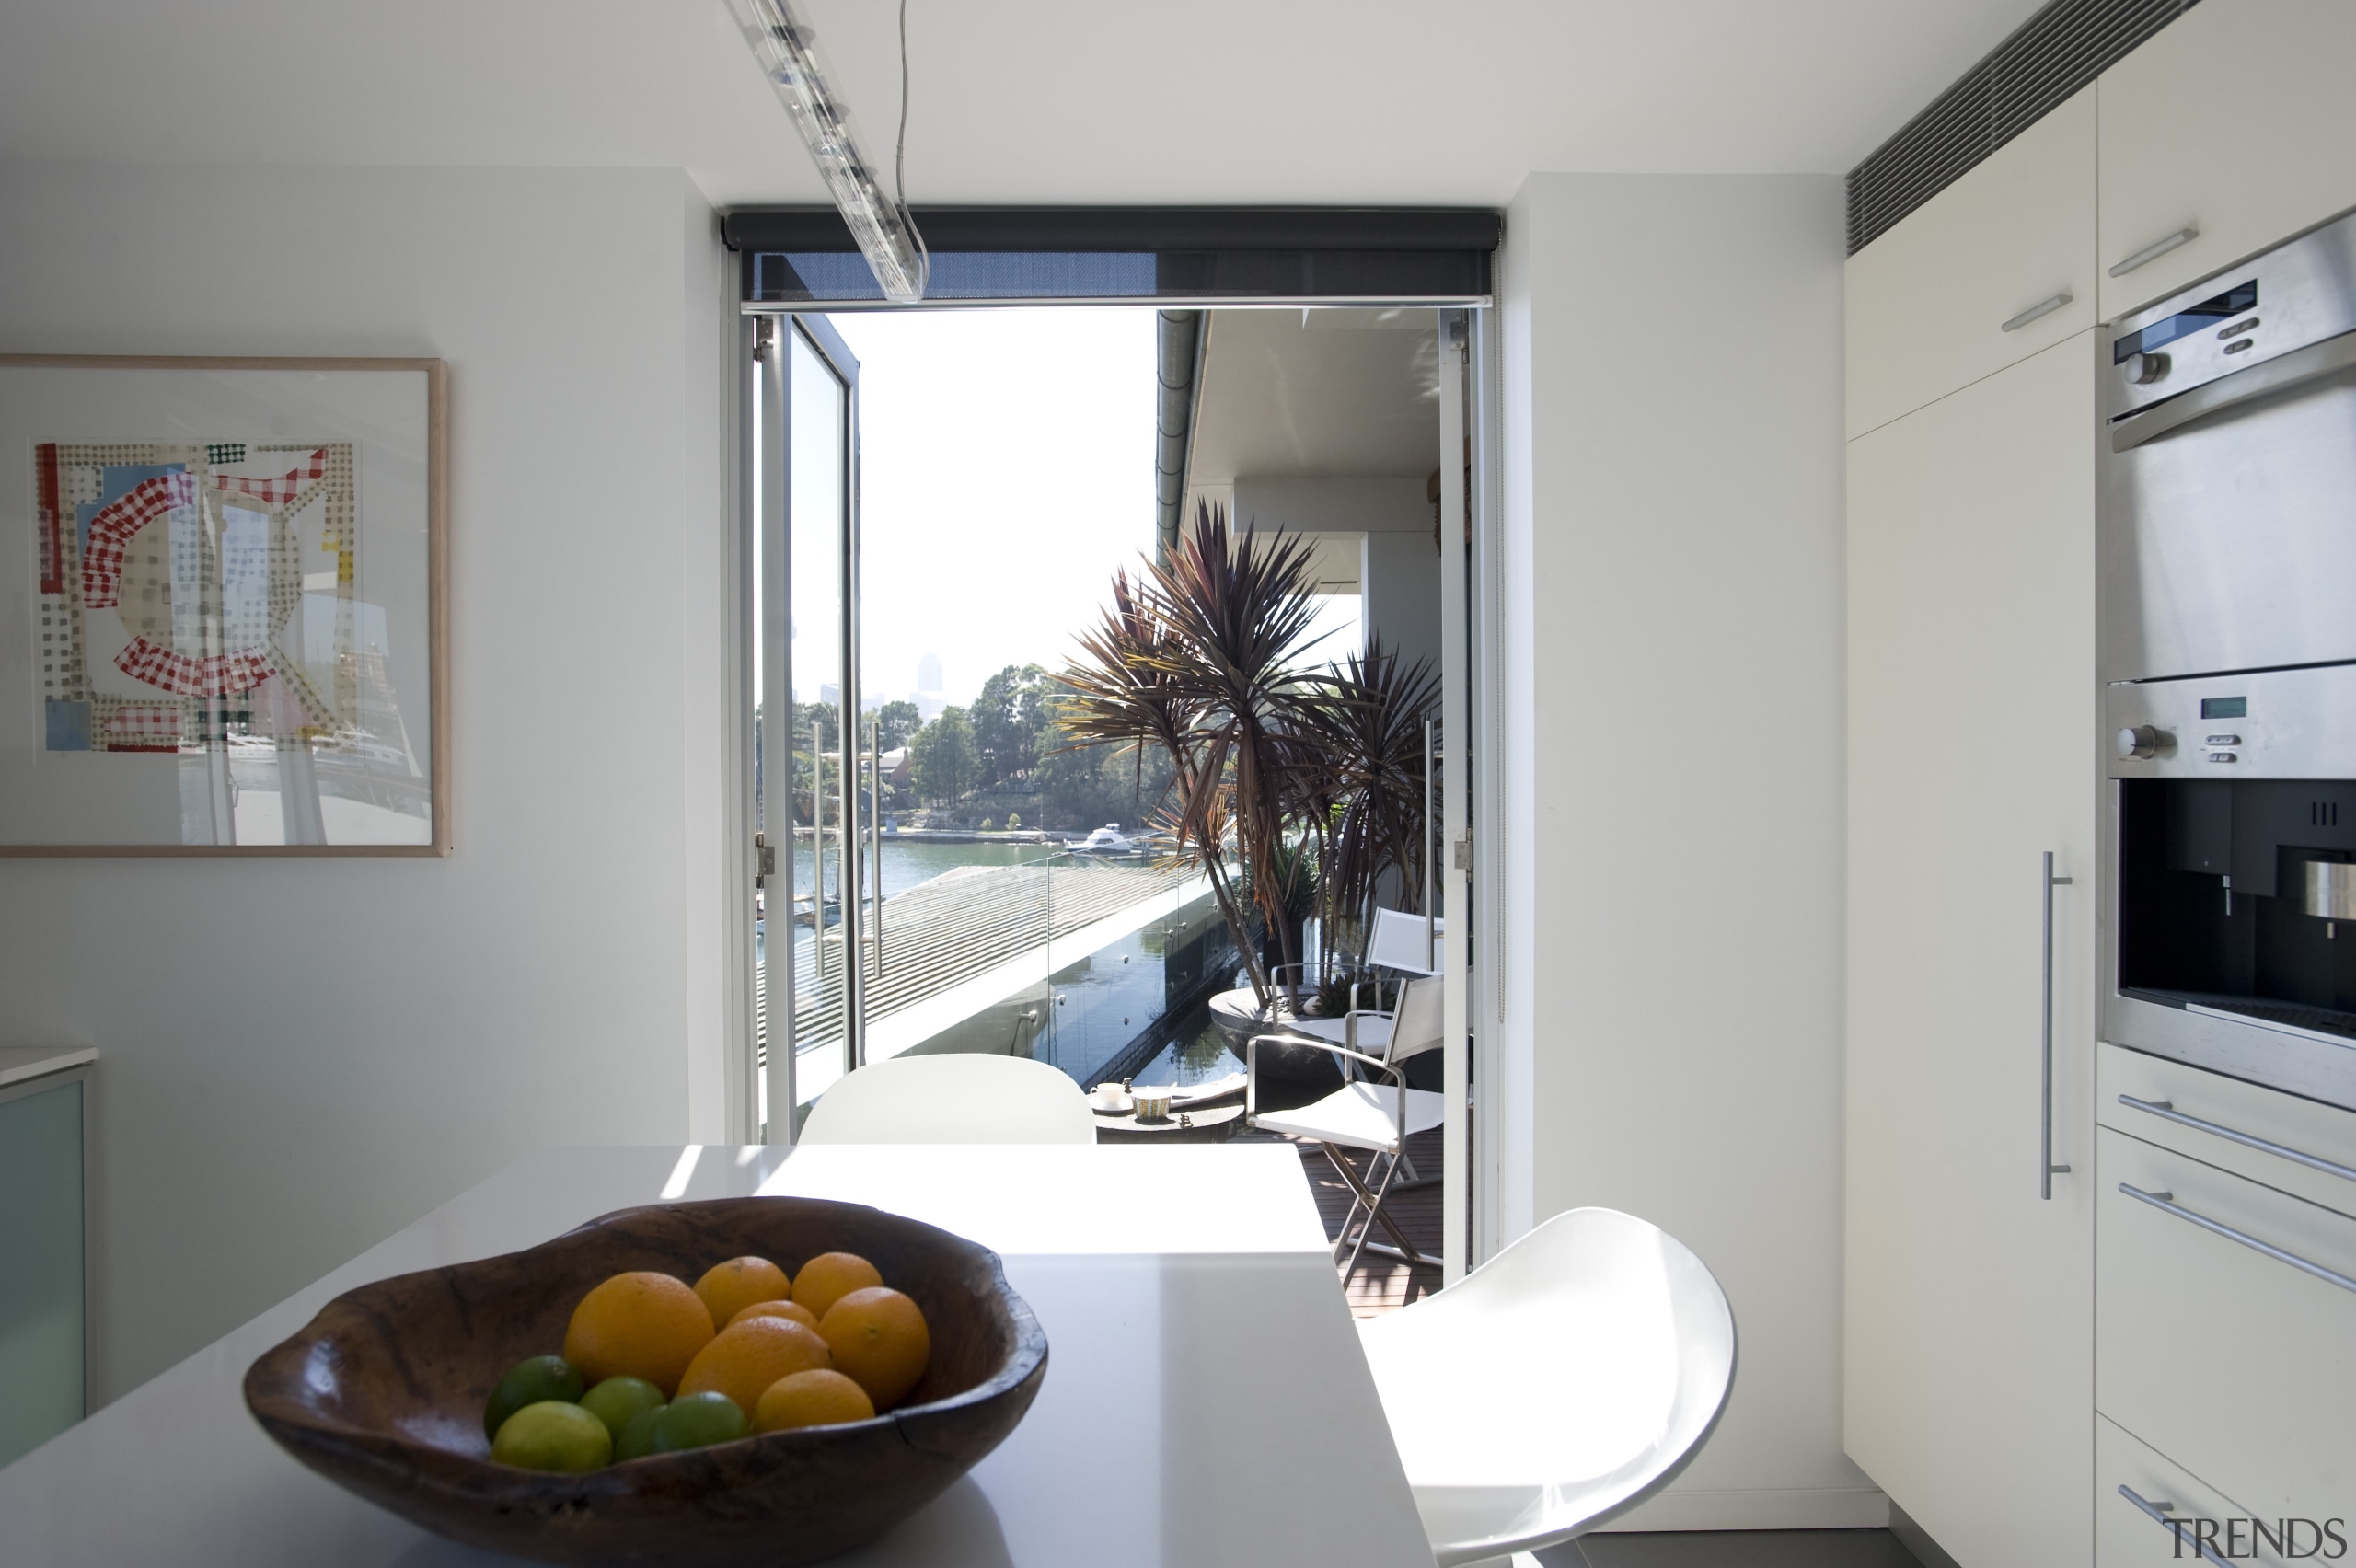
1459 854
764 859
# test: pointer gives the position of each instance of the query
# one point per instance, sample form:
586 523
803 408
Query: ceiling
1020 101
1316 394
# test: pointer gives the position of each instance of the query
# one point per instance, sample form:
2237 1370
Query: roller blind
804 256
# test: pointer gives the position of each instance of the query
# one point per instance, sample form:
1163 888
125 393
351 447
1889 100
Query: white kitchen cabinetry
1998 266
2150 1511
2239 1365
1968 1297
2233 120
44 1311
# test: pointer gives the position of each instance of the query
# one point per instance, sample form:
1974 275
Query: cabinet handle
2163 1512
2157 249
2046 1169
2163 1202
2312 1162
2043 308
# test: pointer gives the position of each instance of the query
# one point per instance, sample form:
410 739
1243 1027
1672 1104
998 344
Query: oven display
2225 708
2208 313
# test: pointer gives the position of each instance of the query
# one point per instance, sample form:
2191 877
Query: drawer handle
2040 309
2161 1108
2157 249
2164 1513
2162 1201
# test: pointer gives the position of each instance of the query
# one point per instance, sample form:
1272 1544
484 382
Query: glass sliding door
813 953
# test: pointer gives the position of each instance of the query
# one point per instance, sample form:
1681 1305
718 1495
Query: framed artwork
223 626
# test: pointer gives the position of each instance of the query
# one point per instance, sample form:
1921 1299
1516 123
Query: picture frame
223 626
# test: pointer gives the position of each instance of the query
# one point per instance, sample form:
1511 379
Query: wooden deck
1379 1285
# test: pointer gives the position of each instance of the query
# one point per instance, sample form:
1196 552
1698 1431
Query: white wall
301 1056
1398 570
1671 386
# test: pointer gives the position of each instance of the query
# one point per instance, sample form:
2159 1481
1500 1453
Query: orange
728 1288
636 1325
745 1358
828 1277
879 1339
821 1397
791 1309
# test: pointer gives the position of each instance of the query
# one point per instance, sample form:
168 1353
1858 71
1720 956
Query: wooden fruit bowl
383 1394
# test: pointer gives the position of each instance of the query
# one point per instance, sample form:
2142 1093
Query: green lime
553 1436
693 1420
637 1437
529 1382
637 1440
617 1400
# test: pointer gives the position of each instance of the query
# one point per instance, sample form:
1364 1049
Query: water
905 864
1197 1053
1107 1002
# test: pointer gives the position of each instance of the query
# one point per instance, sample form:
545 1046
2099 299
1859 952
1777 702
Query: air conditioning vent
2048 57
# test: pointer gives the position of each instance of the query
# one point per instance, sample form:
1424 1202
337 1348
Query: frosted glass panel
41 1267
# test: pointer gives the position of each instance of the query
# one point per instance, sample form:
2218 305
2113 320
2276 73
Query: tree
1084 787
821 714
899 721
944 760
1007 717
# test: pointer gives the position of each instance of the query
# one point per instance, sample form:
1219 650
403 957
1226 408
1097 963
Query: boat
1109 840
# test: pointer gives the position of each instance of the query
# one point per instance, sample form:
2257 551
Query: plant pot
1289 1075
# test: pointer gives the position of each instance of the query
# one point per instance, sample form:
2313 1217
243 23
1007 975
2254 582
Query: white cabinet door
2234 120
2151 1513
1968 1328
1938 302
2238 1364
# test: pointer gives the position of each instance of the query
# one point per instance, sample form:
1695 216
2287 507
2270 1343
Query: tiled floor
1733 1549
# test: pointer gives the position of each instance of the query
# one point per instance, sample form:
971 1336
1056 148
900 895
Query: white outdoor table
1206 1400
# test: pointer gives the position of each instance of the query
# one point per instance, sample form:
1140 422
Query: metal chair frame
1381 1179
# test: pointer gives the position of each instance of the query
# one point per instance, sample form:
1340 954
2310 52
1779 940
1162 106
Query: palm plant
1122 690
1365 743
1311 782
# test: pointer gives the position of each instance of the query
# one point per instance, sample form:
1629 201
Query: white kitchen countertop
18 1063
1205 1400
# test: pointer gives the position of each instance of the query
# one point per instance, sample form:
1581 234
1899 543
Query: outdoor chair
1556 1387
1404 942
1374 1110
953 1098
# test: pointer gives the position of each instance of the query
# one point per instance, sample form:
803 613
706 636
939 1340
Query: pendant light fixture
881 226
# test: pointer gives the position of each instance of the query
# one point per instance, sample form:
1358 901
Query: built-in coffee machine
2227 638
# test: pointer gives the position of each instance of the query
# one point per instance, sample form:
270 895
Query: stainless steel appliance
2227 646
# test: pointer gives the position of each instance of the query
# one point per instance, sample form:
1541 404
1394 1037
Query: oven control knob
2145 369
2142 740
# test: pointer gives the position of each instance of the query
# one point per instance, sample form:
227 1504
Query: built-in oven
2227 648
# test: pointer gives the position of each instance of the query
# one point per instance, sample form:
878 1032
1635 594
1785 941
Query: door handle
2162 1109
875 832
2036 312
2165 1513
2165 1202
2157 249
2046 1169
